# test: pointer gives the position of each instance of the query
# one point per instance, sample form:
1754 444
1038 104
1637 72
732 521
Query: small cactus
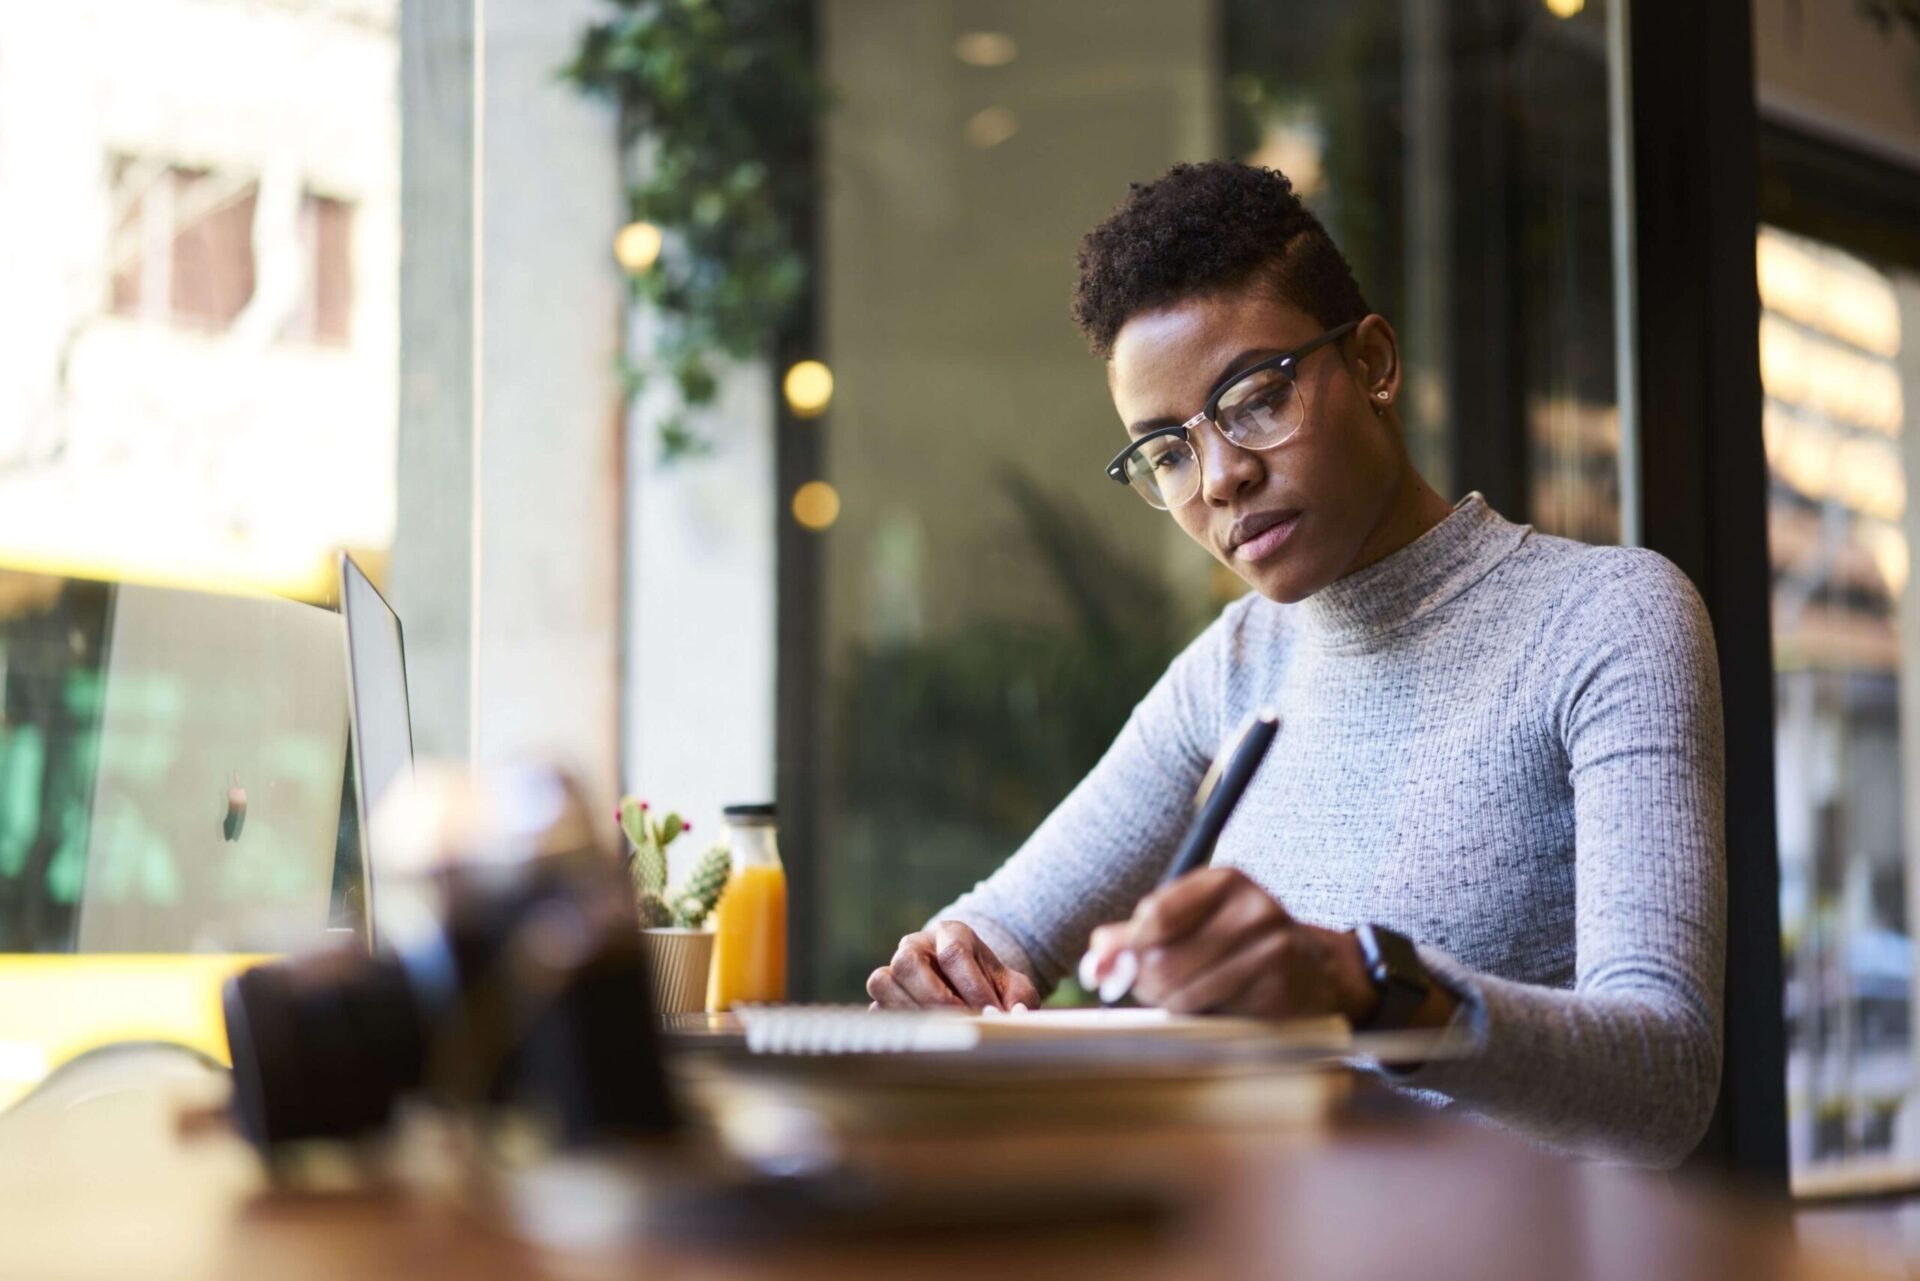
653 911
649 857
701 890
686 906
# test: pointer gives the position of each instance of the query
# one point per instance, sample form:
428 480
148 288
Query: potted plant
673 920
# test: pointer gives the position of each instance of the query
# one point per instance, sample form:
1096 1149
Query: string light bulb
637 247
816 504
808 388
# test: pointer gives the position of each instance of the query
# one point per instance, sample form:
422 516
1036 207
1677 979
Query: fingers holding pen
1205 900
1223 984
1215 902
1239 919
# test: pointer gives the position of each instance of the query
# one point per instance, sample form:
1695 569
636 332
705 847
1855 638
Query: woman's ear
1377 359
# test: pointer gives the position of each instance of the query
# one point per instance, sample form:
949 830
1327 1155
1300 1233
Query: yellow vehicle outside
55 1007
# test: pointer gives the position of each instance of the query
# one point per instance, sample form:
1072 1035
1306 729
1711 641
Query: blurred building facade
201 208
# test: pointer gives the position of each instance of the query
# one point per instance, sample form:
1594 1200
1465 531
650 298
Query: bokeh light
637 247
808 387
986 48
816 504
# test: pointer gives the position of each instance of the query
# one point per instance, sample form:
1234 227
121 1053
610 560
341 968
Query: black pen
1219 792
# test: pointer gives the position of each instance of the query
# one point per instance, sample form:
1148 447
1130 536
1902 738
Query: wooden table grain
115 1182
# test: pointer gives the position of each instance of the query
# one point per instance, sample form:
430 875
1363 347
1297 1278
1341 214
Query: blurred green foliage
952 748
717 101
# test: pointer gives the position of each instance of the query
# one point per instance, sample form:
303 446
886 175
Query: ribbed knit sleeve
1626 1064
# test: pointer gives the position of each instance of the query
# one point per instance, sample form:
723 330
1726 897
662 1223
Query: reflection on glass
1834 361
991 605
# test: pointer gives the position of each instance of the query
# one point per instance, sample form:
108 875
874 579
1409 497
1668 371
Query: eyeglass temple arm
1286 357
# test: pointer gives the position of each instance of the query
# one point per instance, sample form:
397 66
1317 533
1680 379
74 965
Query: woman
1494 805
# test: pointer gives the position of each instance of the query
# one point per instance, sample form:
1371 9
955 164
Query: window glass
992 604
1838 367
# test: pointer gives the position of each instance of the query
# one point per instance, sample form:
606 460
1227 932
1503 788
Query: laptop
218 748
380 713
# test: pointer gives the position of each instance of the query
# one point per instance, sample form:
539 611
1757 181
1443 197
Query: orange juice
750 921
750 939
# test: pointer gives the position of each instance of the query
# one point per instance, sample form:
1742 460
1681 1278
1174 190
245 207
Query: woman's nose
1225 468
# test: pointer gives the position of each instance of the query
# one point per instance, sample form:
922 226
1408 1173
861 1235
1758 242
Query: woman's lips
1267 541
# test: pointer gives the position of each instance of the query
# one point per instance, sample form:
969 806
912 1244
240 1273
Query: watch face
1394 965
1391 956
1396 952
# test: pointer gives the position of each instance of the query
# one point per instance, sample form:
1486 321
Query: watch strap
1398 975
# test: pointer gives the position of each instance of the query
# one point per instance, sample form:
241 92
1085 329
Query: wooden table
103 1181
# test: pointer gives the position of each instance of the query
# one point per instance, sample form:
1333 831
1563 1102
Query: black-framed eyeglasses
1258 408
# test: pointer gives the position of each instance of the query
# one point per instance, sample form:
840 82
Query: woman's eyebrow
1246 359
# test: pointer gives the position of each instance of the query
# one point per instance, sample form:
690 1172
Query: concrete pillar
547 644
432 568
507 551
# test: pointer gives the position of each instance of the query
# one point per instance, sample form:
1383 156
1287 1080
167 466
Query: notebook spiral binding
852 1029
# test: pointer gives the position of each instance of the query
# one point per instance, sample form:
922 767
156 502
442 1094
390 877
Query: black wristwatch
1393 963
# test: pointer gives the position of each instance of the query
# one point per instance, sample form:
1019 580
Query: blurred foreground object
510 981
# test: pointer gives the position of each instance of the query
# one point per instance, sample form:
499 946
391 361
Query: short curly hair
1203 228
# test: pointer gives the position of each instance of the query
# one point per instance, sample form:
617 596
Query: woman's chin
1284 584
1291 572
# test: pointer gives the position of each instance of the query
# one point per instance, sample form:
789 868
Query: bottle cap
763 811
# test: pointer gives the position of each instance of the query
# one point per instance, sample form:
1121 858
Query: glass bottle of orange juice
750 921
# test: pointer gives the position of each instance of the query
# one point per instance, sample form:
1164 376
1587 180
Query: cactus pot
677 965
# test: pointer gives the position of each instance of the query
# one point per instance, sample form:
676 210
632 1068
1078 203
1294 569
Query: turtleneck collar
1414 581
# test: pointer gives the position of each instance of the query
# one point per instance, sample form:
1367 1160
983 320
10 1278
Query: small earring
1381 394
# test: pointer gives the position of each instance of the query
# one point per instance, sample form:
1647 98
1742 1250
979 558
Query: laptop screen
171 768
382 719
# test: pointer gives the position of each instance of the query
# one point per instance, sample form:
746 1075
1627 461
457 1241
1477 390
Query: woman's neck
1416 508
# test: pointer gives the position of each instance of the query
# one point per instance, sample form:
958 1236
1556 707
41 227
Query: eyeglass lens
1258 412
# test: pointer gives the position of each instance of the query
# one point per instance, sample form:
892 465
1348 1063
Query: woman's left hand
1215 942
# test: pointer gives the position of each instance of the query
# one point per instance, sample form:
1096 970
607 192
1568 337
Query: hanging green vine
717 103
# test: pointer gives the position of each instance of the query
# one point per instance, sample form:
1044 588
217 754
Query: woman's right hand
948 967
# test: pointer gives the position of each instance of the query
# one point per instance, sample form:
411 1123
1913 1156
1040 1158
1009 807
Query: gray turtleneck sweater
1504 745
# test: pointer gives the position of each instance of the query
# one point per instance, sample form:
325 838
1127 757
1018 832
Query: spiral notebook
852 1029
887 1071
